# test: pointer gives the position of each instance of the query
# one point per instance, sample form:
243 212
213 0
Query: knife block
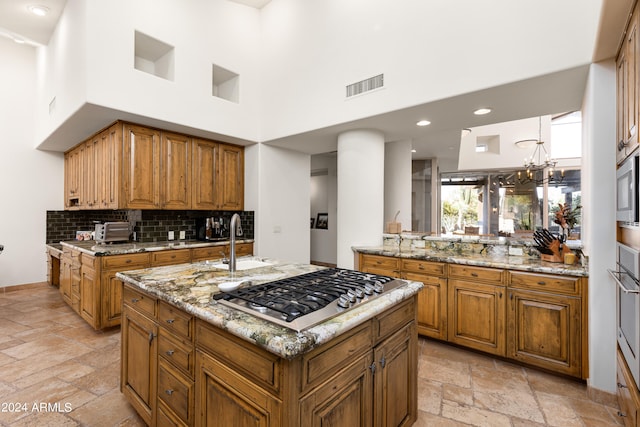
558 254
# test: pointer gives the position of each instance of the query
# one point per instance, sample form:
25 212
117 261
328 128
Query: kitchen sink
245 264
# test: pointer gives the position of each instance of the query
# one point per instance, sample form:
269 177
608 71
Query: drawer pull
170 321
128 261
169 392
135 300
169 352
474 274
542 282
420 267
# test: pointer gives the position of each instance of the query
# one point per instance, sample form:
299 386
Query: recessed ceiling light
423 123
482 111
39 10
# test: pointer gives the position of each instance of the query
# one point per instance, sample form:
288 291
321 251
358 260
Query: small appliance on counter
109 232
211 228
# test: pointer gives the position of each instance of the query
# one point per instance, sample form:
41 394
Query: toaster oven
112 232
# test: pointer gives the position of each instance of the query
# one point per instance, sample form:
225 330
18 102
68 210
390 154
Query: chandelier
539 167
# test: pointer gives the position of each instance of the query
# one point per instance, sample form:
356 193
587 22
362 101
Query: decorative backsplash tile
148 226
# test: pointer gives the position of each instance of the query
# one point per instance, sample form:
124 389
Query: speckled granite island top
91 247
191 286
492 260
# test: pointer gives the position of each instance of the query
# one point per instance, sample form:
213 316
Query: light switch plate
171 235
183 234
515 251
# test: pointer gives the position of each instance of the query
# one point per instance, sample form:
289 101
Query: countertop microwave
627 190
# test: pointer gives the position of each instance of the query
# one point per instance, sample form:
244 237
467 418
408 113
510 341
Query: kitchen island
187 359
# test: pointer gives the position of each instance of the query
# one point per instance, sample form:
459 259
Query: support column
397 182
360 192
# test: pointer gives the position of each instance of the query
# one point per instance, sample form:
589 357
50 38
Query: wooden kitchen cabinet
138 376
382 265
73 162
89 287
477 316
432 300
544 326
141 167
627 392
627 90
175 173
128 166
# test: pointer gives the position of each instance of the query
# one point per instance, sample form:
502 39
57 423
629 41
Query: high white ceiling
550 94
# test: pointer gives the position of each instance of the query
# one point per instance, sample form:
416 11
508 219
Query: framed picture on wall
322 221
312 222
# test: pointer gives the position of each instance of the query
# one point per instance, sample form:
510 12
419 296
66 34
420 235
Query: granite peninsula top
191 286
495 260
91 247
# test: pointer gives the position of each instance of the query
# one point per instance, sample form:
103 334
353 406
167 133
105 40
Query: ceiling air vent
365 85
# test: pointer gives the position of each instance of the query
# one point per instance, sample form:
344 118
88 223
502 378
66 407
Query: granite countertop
191 286
91 247
521 263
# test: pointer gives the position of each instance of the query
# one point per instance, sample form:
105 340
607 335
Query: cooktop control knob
343 301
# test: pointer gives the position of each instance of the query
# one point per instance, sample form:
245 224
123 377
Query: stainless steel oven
627 277
627 190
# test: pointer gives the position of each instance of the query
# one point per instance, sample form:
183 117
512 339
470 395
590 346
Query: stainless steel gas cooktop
303 301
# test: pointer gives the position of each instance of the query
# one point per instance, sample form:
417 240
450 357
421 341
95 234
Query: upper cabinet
628 103
128 166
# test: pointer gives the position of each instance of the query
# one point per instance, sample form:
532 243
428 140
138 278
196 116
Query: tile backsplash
148 226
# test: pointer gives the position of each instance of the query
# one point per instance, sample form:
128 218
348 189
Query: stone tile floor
55 370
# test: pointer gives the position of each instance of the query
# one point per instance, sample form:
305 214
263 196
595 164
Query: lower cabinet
477 316
628 394
535 318
138 376
90 286
177 370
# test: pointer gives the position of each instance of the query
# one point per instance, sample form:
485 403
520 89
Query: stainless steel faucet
235 221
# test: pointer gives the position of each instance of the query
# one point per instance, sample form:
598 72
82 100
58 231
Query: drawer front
321 364
424 267
176 391
377 262
88 261
209 252
476 273
545 282
177 256
258 365
177 352
243 249
175 320
393 320
139 301
125 262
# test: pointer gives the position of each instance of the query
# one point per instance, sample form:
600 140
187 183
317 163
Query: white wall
91 58
31 181
324 198
397 182
317 47
277 188
598 200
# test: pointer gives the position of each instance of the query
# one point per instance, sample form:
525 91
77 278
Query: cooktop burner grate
289 300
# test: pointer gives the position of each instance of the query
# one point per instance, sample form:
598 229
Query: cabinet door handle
169 392
622 386
622 414
169 352
151 337
383 362
511 296
170 321
500 295
373 367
